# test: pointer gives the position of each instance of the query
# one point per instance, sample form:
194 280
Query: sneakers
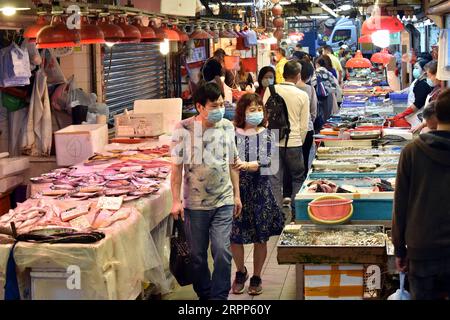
255 287
238 286
287 202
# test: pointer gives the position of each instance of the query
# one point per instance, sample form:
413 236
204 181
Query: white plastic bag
53 69
400 294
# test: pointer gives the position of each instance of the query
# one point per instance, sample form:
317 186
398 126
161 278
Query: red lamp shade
159 32
365 39
147 33
183 35
90 33
111 32
382 57
132 34
277 10
375 23
358 61
171 34
278 22
200 34
57 35
278 34
31 32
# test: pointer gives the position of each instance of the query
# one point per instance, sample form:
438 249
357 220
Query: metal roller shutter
133 72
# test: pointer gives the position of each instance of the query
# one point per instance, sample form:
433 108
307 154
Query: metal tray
289 254
322 228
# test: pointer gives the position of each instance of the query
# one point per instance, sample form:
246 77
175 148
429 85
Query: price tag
74 213
110 203
80 223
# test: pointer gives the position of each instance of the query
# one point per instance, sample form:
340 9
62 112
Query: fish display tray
331 254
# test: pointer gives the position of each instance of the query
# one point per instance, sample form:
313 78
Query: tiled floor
278 280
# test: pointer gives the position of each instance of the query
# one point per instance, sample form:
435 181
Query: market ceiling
339 7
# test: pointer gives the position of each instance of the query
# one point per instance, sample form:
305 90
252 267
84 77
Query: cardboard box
77 143
334 282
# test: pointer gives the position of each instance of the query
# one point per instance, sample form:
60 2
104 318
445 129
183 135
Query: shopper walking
421 221
203 146
291 156
214 69
328 51
326 89
280 56
266 78
306 75
261 217
304 84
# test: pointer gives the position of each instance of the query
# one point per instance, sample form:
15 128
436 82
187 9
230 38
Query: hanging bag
401 294
321 91
52 69
180 260
278 115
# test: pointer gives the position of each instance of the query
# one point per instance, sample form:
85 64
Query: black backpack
278 117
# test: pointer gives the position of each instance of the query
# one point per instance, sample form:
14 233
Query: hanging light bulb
381 38
10 7
164 47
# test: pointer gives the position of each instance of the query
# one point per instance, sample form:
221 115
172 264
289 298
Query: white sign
110 203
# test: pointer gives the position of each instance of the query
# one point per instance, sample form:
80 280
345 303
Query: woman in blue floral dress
261 217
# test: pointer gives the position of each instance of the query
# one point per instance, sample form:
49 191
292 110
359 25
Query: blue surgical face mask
430 82
216 115
254 118
267 82
416 73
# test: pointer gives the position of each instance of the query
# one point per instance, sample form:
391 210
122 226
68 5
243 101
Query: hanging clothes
37 140
15 68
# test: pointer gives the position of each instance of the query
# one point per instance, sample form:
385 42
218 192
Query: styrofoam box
51 284
13 166
77 143
9 183
405 133
318 280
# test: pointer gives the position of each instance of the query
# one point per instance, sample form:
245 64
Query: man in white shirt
291 157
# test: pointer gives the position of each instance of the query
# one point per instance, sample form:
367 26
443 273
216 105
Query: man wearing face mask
418 92
291 156
203 146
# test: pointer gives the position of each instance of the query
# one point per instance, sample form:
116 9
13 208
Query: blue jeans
201 226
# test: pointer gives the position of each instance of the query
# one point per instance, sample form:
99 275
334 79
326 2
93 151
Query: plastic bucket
330 210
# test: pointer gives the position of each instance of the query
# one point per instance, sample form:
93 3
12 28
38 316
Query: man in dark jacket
421 218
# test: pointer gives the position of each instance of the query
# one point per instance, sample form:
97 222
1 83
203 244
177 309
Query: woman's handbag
180 256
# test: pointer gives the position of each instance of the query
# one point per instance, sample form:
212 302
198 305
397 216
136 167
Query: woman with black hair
266 78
